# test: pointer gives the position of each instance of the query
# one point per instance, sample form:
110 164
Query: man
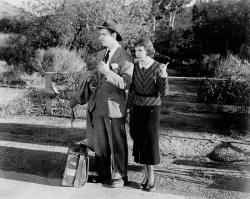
108 106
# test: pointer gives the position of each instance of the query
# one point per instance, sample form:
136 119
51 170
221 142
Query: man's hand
103 68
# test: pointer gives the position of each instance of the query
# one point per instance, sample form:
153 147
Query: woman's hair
147 44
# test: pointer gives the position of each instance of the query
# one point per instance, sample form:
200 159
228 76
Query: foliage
12 78
216 28
168 9
62 60
33 80
234 67
209 65
230 92
221 26
234 90
16 25
32 102
20 105
72 25
3 67
175 43
18 53
137 23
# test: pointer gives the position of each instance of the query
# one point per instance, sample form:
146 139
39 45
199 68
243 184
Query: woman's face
140 53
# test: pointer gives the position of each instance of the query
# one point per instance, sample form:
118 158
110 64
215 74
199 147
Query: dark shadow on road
35 166
224 123
210 175
136 168
240 166
226 182
46 165
40 134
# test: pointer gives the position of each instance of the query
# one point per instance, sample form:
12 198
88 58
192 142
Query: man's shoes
99 179
125 179
117 183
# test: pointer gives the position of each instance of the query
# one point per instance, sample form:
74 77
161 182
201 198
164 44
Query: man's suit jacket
109 99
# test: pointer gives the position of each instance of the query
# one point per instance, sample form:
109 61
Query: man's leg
102 148
118 145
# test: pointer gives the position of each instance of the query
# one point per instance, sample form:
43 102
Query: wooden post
51 90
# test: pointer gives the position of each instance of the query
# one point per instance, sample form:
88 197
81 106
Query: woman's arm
162 79
131 94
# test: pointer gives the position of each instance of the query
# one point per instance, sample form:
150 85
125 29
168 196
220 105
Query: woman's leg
151 176
145 179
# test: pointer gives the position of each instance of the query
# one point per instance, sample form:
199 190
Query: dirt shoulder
187 158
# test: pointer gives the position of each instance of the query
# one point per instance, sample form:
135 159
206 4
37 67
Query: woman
144 102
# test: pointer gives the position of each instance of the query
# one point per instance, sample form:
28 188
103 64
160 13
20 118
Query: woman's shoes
147 187
151 187
143 185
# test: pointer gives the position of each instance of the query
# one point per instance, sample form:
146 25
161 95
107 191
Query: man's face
106 38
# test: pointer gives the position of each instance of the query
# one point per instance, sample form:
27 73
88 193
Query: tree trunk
154 24
171 19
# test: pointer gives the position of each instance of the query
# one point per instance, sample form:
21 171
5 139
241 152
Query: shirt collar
150 62
112 50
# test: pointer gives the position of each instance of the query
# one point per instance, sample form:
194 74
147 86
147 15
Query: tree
221 26
169 8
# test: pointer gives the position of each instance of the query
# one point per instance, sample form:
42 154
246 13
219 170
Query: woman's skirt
144 125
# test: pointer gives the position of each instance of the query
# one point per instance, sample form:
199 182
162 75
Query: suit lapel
117 54
113 59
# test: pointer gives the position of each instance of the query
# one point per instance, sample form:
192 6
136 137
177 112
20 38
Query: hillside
8 11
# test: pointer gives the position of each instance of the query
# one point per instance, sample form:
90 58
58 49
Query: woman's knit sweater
147 86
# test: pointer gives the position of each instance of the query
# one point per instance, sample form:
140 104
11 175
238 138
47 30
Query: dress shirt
112 51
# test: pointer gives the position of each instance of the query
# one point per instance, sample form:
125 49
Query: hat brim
119 38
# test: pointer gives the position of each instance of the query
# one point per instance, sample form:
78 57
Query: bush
230 92
62 60
33 80
209 65
221 26
233 67
20 105
32 102
12 78
235 90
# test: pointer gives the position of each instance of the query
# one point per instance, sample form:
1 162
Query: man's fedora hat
112 24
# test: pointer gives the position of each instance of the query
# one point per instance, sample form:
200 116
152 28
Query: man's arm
123 80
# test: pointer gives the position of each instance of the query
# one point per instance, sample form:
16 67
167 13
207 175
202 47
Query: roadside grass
4 39
3 67
13 102
31 102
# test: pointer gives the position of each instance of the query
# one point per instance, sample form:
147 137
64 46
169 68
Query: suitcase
77 166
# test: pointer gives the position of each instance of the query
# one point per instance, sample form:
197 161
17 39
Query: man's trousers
110 144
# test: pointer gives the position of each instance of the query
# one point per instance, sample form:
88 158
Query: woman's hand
163 70
128 116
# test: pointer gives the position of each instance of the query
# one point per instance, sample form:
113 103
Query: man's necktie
106 57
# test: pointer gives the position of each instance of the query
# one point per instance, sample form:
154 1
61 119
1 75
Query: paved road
18 189
34 171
